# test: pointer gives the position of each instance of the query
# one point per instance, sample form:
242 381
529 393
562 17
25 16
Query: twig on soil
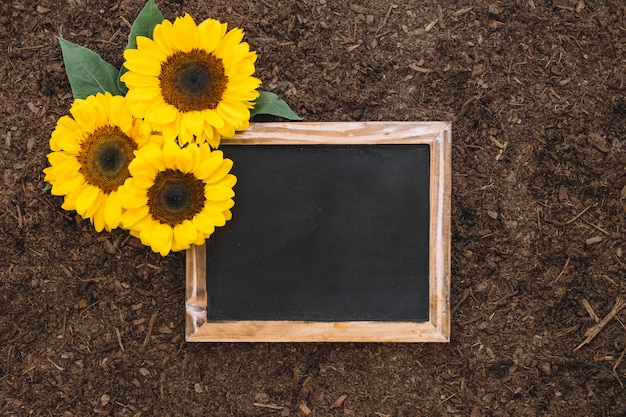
597 227
462 11
270 406
119 338
571 220
589 309
464 296
466 105
619 360
593 332
569 258
619 261
566 331
384 22
150 326
59 367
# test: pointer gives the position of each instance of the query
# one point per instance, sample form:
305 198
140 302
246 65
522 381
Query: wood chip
462 11
305 409
339 401
164 330
359 9
431 25
420 69
593 240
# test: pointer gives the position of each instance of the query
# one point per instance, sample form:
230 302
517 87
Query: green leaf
87 72
144 24
270 103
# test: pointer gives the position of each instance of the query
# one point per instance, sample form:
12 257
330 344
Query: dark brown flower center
104 158
193 81
175 197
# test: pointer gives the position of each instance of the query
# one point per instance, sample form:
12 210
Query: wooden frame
437 329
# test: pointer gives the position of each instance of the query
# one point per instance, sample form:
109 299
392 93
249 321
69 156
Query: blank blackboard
324 233
340 232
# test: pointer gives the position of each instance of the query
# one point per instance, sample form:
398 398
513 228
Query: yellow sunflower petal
144 93
149 158
233 110
185 233
135 79
228 131
194 122
98 221
184 160
86 199
95 206
150 48
170 131
212 136
69 202
204 223
62 188
63 140
133 199
212 118
66 136
184 34
211 31
209 166
163 114
62 165
85 115
230 40
162 239
138 62
229 181
131 216
218 192
220 172
218 219
112 211
170 154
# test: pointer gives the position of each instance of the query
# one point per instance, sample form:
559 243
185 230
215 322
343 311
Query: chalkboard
340 232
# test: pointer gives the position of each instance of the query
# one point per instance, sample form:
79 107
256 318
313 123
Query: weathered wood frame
437 329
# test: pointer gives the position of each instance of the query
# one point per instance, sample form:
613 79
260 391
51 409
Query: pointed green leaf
271 104
144 24
87 72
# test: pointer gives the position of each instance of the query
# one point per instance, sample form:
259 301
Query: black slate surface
323 233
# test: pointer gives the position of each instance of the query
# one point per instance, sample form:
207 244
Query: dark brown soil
536 93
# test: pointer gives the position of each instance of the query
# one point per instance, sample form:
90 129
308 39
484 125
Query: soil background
93 324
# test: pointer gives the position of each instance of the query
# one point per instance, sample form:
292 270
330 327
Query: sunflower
91 153
192 81
176 196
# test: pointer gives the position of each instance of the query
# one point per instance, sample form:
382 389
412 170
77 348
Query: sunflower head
192 82
91 152
176 196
